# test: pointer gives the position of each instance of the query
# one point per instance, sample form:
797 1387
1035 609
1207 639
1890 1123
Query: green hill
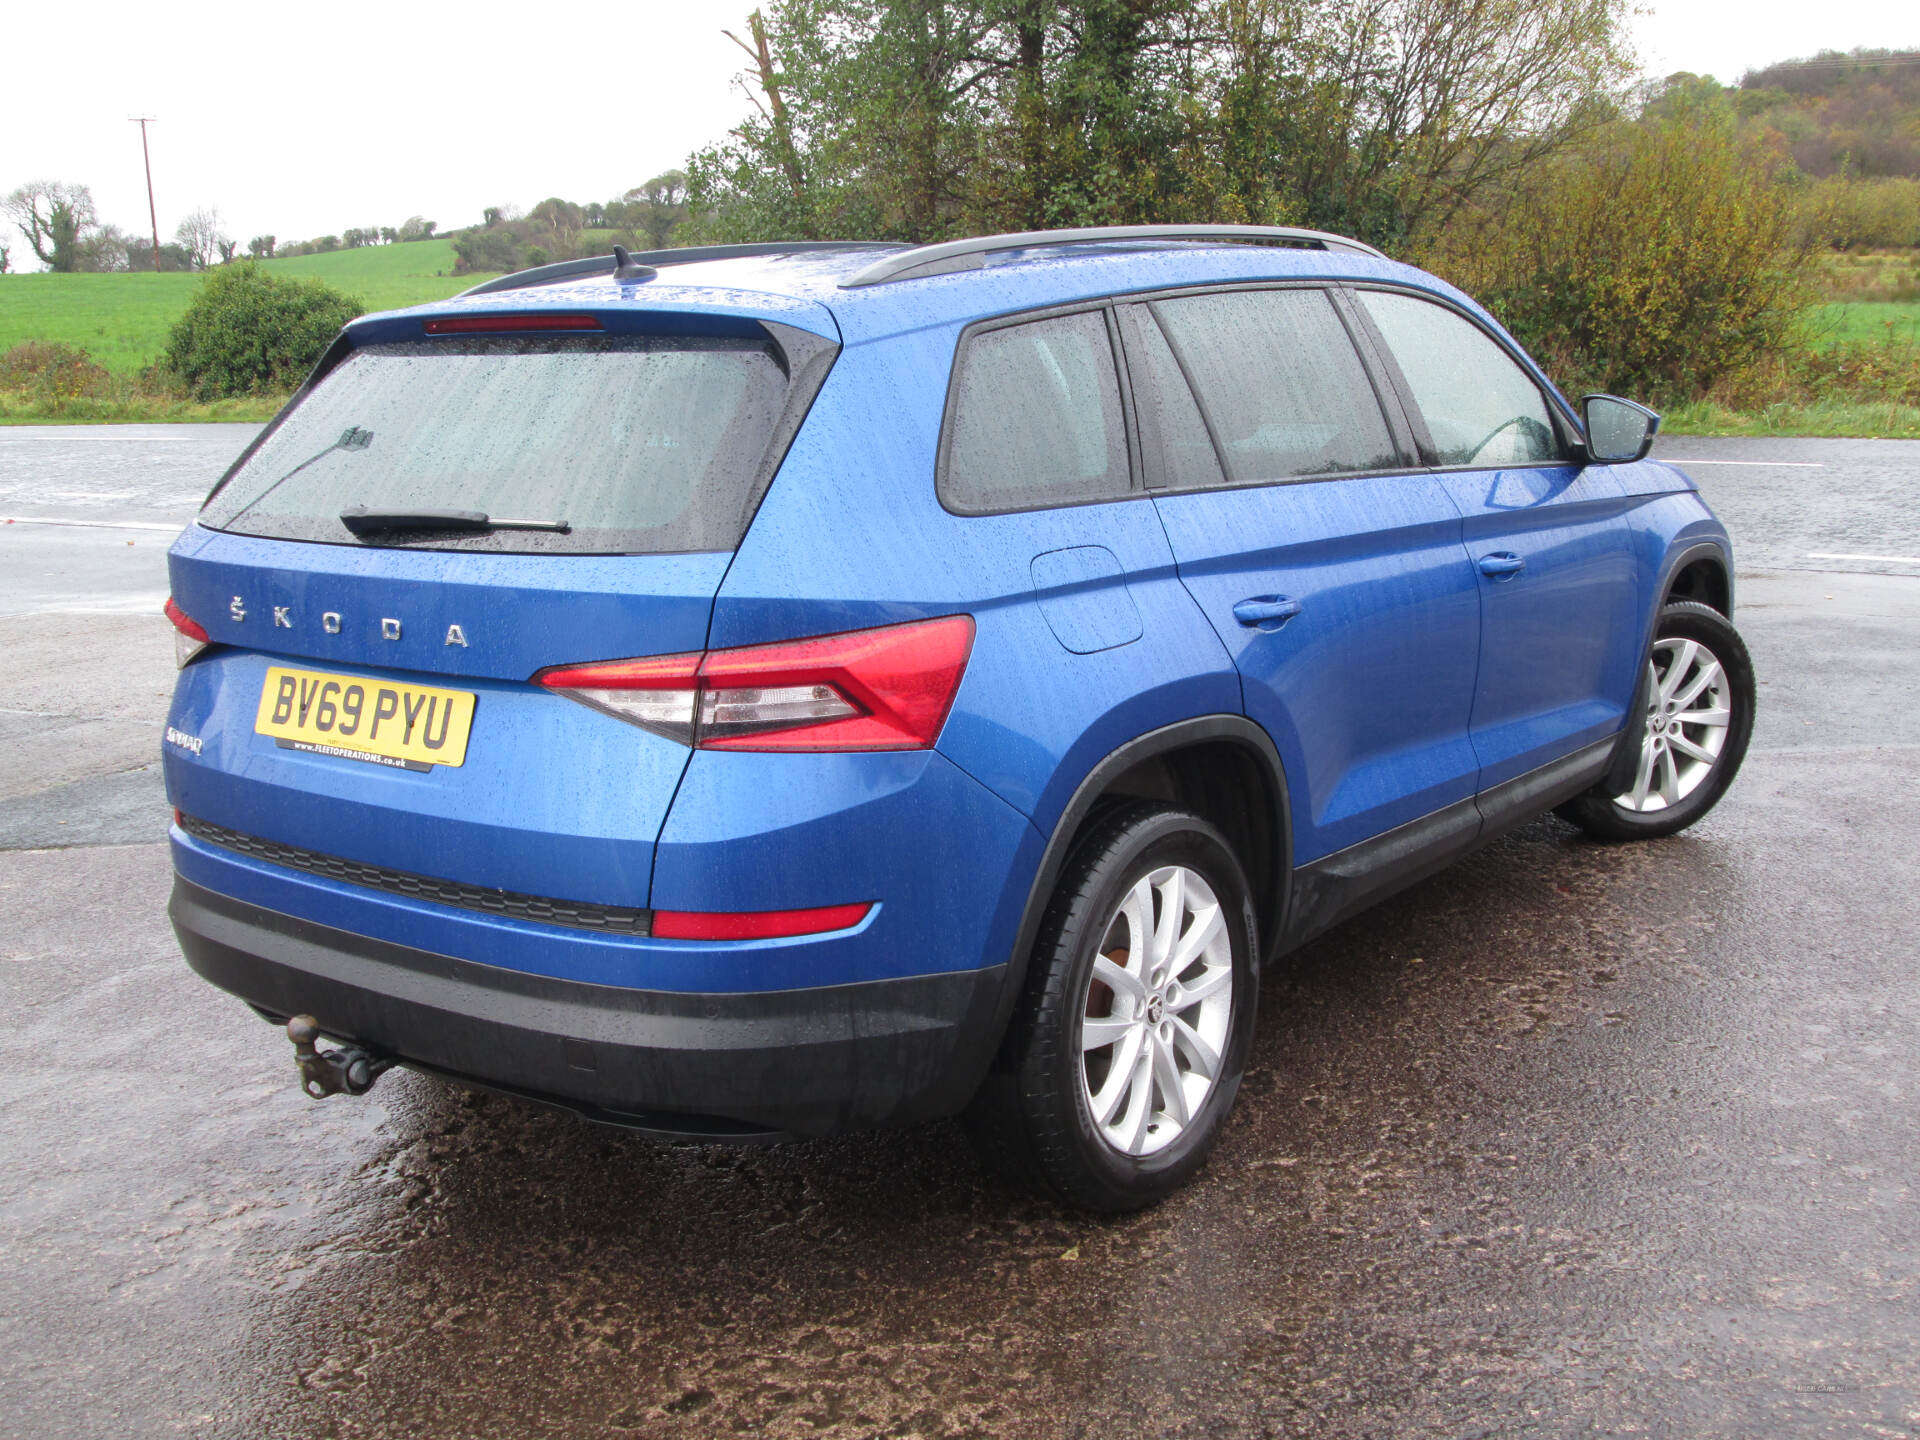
122 320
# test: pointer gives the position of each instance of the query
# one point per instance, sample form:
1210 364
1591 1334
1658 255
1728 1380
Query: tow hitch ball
344 1070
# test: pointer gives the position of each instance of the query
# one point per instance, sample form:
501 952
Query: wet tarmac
1569 1140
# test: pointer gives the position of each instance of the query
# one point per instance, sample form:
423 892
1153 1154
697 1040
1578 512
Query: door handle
1502 565
1266 612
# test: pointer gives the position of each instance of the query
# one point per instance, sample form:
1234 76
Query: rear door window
1283 389
1034 418
640 444
1481 408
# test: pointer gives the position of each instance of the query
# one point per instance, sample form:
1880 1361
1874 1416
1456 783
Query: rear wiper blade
362 521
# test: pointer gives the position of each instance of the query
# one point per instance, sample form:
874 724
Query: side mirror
1618 431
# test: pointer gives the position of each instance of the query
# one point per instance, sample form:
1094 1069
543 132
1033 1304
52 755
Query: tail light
885 689
189 635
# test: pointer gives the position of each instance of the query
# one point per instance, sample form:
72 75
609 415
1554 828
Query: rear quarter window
1034 417
641 444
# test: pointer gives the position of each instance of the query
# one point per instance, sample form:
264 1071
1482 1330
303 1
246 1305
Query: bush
248 332
1883 372
1657 261
52 375
1852 214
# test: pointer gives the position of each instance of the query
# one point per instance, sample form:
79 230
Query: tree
260 247
202 235
921 119
140 256
55 218
484 249
105 248
416 228
560 218
657 207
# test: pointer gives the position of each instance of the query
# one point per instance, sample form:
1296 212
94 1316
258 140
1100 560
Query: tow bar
344 1070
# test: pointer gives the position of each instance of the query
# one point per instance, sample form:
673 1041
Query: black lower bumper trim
579 914
799 1062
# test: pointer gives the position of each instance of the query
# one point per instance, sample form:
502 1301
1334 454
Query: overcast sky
304 120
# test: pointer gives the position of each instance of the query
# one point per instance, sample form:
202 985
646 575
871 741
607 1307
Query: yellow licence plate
410 727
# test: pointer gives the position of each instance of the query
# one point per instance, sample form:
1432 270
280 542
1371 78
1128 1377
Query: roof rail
685 255
971 254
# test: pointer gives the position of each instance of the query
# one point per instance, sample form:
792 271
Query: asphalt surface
1570 1140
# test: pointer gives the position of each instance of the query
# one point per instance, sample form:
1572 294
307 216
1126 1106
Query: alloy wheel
1155 1017
1688 715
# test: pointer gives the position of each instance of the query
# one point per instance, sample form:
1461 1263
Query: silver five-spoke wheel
1688 713
1157 1011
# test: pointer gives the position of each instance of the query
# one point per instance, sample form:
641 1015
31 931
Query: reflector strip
755 924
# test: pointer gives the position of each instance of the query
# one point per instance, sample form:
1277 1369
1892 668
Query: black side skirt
1346 882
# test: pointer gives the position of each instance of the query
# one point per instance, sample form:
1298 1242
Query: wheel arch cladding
1222 767
1701 573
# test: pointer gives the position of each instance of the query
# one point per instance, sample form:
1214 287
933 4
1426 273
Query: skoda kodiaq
773 689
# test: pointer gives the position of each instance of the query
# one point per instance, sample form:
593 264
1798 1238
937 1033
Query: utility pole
153 216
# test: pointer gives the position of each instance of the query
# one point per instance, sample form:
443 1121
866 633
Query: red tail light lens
189 635
885 689
495 324
755 924
660 693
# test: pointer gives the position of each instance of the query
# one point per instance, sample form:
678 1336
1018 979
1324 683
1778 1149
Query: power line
1841 62
153 216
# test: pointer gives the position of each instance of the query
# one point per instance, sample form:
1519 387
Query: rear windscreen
637 444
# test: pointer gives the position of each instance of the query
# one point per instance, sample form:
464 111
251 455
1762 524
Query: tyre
1131 1036
1699 699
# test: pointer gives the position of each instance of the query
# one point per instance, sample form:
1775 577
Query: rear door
1331 568
366 696
1549 538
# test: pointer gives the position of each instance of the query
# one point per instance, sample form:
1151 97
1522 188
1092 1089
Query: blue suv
767 690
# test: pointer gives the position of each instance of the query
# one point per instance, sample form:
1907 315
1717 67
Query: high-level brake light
189 635
884 689
508 320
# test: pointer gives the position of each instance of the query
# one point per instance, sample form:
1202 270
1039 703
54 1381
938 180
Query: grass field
122 320
1838 418
1867 320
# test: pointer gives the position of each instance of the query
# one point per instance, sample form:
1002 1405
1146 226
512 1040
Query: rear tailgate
398 727
550 799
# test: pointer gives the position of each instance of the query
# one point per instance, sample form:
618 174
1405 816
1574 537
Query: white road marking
1763 464
1870 559
147 604
94 524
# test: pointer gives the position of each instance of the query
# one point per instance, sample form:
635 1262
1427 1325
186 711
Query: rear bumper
800 1062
